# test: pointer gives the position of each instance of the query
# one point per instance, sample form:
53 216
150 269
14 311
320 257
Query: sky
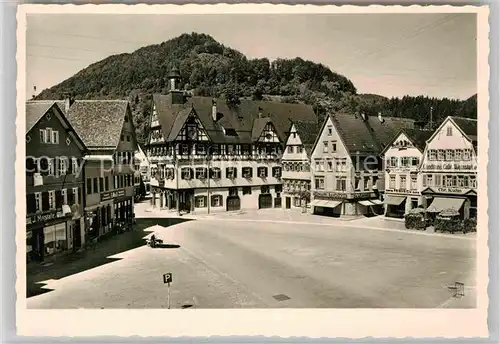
388 54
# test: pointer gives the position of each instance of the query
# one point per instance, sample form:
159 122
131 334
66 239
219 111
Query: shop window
200 201
55 239
247 190
216 201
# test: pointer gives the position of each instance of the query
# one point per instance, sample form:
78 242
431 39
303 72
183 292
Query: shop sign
453 190
340 195
450 166
44 217
105 196
403 191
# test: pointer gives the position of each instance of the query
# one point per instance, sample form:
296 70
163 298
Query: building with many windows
449 167
208 155
106 128
347 176
54 180
296 164
403 182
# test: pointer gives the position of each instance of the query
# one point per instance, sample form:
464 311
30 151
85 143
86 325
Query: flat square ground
237 262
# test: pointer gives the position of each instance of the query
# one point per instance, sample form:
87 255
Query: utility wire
405 37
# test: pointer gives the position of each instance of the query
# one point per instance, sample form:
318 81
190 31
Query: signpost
167 278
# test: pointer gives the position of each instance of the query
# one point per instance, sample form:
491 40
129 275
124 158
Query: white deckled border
348 323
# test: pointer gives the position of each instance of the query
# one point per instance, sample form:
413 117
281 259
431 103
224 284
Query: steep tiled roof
468 126
418 137
307 131
238 117
368 135
35 111
99 123
258 126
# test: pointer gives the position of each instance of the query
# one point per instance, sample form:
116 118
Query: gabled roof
258 125
35 110
239 117
468 126
98 122
367 135
307 131
418 137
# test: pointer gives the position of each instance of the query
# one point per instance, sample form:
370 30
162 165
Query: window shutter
58 199
45 201
30 204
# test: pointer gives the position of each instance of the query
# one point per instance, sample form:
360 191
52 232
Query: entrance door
265 201
233 203
288 202
277 202
77 239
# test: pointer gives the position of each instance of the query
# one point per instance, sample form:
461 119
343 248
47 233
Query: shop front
123 205
464 201
48 235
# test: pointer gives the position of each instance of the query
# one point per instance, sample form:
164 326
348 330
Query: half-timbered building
208 155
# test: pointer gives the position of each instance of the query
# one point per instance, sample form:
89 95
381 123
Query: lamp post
209 159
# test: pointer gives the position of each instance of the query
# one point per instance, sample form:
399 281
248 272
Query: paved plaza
274 260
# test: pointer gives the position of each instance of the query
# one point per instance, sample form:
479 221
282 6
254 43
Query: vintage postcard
264 170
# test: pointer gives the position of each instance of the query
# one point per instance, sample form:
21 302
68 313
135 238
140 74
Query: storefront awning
98 158
325 204
376 201
366 203
441 203
394 200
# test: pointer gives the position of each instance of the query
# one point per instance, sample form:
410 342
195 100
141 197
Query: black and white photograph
278 161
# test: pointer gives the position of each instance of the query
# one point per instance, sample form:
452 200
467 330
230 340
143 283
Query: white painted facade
449 167
296 172
402 178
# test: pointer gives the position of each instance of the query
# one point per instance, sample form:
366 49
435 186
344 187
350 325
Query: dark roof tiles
35 110
468 126
239 117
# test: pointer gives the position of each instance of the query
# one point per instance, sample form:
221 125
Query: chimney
214 110
380 118
260 112
68 101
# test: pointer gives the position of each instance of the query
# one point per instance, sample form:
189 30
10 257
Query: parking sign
167 278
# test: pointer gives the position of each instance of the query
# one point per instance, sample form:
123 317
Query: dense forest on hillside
209 68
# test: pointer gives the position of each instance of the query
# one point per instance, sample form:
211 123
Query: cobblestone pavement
231 261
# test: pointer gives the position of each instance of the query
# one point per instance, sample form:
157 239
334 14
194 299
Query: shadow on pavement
81 261
166 246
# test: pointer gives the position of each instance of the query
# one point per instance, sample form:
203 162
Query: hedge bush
470 225
448 225
415 221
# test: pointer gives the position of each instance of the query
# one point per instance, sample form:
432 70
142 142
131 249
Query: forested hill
212 69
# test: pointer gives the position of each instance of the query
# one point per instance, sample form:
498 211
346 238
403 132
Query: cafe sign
37 218
341 195
105 196
450 166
